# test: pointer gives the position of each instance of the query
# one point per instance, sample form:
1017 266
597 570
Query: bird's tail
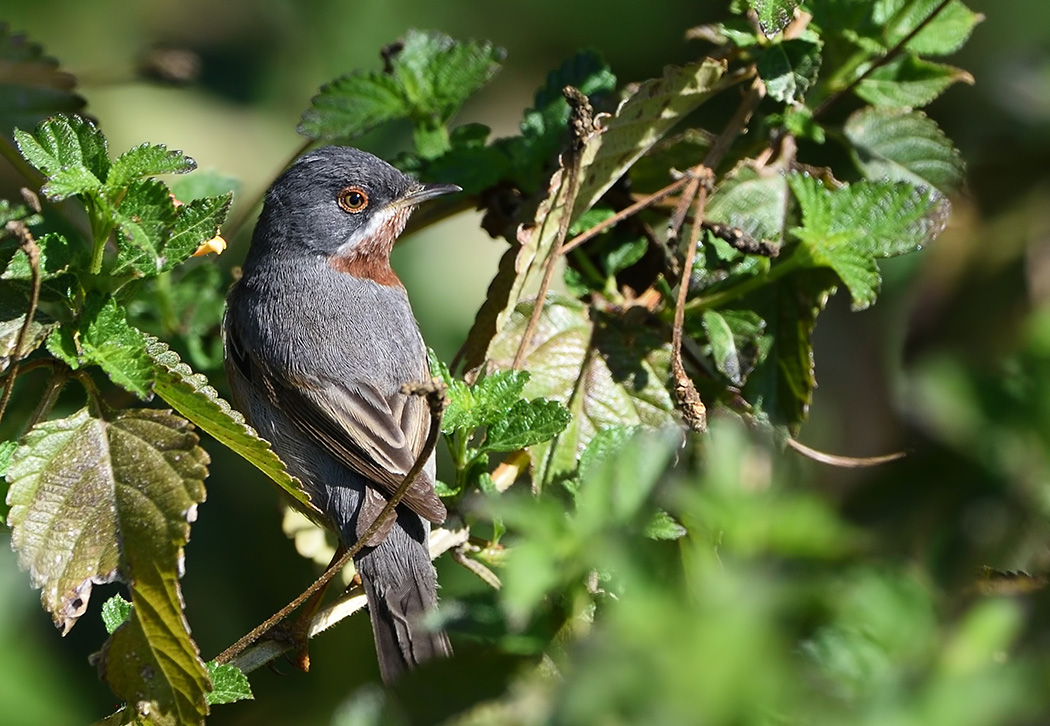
401 587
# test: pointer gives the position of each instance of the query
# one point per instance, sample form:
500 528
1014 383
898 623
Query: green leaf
31 85
352 105
944 35
608 370
55 258
485 402
847 228
773 15
428 78
527 423
438 73
904 145
230 684
782 385
196 221
93 501
109 341
157 481
663 526
144 219
143 161
789 69
115 612
909 81
723 346
192 396
71 151
754 200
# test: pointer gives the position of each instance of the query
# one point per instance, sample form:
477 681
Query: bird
319 337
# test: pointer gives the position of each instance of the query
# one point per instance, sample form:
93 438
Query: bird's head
347 205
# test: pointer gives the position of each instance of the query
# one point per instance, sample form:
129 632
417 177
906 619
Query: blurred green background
953 364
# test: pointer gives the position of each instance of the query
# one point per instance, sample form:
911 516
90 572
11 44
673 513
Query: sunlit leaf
608 370
70 150
905 145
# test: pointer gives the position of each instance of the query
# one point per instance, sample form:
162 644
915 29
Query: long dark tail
401 586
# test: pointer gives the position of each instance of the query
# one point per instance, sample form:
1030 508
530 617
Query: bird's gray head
344 204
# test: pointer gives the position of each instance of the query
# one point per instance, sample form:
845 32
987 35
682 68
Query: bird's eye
353 199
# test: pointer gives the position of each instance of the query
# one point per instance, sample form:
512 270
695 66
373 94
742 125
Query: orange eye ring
353 199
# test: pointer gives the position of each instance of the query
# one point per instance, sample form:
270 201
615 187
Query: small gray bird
319 338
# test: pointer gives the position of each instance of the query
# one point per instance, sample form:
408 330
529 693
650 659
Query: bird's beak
422 192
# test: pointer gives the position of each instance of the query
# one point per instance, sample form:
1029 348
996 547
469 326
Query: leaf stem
881 61
720 298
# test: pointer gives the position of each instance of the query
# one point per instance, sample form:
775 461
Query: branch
582 125
689 401
261 653
435 394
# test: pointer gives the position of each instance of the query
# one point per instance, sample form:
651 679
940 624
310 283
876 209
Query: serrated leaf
485 402
527 423
94 500
608 151
909 82
773 15
230 684
945 34
789 69
663 526
439 73
428 79
608 370
196 221
905 145
55 258
192 396
32 87
70 150
109 341
723 346
352 105
115 613
158 475
846 229
144 220
146 160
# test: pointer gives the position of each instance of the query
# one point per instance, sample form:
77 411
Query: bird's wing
376 435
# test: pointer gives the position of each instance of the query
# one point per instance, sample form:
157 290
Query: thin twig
623 214
582 123
18 229
435 394
689 401
262 652
459 555
883 60
845 462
